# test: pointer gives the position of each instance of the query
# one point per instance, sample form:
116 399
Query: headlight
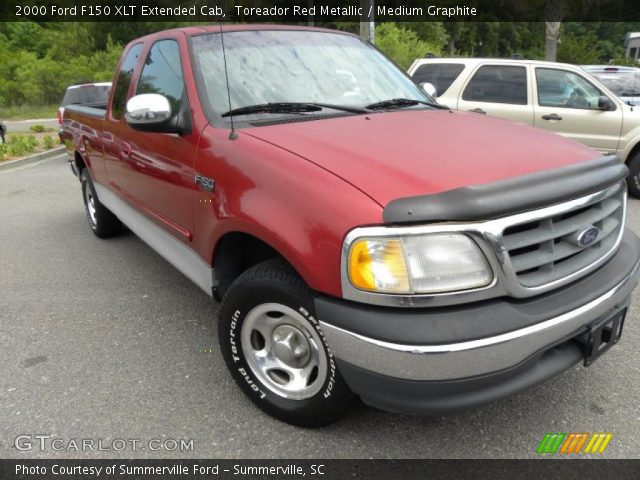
431 263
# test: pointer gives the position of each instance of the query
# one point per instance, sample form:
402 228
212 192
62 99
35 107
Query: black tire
103 223
633 180
274 285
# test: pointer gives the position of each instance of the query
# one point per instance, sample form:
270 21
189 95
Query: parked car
556 97
89 94
362 239
623 81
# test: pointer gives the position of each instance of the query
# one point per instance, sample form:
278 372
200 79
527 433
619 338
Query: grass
28 112
20 145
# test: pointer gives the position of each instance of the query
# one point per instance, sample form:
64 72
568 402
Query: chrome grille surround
547 249
499 241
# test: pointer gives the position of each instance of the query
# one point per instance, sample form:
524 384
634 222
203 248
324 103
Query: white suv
557 97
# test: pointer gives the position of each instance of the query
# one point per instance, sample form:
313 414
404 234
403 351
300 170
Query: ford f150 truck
363 240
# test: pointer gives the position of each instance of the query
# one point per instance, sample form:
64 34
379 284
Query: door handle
553 116
478 110
126 150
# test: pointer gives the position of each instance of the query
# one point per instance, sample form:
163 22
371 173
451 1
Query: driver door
567 103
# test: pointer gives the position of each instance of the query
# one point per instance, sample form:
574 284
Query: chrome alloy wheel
91 206
284 351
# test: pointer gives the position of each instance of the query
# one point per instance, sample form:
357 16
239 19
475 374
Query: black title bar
319 10
319 469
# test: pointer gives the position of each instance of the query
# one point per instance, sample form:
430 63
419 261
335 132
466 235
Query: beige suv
558 97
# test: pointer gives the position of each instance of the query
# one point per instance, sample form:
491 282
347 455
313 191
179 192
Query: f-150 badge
205 183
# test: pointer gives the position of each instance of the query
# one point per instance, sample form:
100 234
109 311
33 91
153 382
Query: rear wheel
633 180
275 349
103 223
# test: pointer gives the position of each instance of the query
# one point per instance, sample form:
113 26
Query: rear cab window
89 94
498 84
123 81
440 75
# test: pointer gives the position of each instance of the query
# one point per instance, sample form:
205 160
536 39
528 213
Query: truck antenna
233 134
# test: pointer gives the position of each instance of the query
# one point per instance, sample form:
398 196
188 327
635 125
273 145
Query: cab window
498 84
162 73
562 88
440 75
123 81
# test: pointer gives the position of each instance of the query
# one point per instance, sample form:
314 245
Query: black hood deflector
506 197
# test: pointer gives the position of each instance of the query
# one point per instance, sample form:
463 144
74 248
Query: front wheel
633 180
275 349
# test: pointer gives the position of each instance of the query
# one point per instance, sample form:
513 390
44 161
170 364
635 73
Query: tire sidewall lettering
332 364
235 354
233 335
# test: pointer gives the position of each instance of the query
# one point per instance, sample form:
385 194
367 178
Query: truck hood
405 153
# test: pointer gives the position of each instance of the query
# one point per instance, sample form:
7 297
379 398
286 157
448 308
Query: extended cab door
499 90
567 103
157 169
116 151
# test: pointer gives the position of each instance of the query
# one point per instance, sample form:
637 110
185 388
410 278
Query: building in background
632 45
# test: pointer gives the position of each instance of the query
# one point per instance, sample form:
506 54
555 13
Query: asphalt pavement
103 339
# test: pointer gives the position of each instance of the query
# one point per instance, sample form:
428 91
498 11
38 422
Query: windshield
296 66
623 84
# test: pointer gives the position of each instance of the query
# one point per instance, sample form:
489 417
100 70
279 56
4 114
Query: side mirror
430 89
148 112
605 103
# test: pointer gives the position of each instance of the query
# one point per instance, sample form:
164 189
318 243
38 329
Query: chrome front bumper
440 362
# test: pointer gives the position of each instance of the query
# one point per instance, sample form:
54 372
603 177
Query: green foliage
579 49
434 33
20 145
25 112
495 39
48 142
37 128
402 45
580 45
39 61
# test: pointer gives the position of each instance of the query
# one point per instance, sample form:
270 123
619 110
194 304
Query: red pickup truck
363 240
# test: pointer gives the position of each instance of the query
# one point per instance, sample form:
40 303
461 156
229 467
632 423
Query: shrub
20 145
48 142
37 128
579 49
402 45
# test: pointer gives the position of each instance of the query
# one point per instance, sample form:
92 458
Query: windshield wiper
290 107
401 103
630 94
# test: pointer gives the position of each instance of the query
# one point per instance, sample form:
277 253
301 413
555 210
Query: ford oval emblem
588 236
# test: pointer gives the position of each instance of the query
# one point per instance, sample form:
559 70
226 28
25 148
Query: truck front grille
548 249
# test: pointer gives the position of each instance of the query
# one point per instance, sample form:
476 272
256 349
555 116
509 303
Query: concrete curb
32 158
